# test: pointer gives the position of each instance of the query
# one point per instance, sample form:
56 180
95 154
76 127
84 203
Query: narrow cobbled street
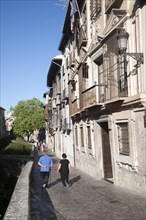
85 199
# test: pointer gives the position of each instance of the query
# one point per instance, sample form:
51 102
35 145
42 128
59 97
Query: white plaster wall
130 171
91 164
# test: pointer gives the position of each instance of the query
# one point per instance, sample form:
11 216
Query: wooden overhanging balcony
65 94
49 118
66 125
49 104
46 115
71 60
83 36
58 99
74 107
89 98
58 122
58 89
113 92
54 103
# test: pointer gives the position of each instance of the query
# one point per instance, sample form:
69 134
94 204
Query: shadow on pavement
71 181
41 206
54 183
75 179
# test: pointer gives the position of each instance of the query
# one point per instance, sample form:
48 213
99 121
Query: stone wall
18 207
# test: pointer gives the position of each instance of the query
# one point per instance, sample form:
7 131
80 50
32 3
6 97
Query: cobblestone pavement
85 199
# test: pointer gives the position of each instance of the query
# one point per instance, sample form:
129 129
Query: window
123 88
82 35
63 72
84 76
101 78
85 70
89 137
123 138
82 136
76 135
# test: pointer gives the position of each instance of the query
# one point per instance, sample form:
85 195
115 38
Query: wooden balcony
49 104
46 115
115 90
74 107
54 103
72 60
89 98
58 100
58 90
83 36
65 94
66 125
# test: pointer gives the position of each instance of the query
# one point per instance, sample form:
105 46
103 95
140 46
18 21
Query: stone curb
18 207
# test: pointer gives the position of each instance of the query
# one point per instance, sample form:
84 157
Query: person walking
45 163
64 169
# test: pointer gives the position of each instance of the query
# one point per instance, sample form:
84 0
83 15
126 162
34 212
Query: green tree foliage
28 116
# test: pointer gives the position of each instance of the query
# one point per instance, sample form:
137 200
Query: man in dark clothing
64 170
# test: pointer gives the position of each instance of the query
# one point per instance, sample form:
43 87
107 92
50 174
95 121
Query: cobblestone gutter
18 207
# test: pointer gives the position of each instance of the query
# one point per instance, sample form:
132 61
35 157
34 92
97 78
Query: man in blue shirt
46 163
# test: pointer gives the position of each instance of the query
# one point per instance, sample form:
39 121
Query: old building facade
102 90
59 123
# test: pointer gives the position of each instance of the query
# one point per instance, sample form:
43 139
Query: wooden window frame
76 136
89 140
82 136
123 138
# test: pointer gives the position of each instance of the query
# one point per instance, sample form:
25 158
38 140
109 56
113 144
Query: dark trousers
64 178
44 177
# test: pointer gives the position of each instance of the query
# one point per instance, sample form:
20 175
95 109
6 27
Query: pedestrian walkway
85 199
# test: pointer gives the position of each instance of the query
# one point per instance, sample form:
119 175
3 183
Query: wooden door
107 165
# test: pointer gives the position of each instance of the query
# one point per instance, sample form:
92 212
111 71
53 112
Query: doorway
107 164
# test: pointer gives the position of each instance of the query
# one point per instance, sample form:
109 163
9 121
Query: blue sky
29 37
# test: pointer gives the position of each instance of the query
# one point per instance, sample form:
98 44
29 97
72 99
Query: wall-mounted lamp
122 38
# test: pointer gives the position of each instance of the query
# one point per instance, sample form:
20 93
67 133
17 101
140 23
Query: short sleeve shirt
64 166
47 161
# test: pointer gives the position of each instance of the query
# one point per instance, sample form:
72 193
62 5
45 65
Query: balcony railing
113 91
89 97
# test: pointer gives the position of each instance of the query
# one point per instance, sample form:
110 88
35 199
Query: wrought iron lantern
122 39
